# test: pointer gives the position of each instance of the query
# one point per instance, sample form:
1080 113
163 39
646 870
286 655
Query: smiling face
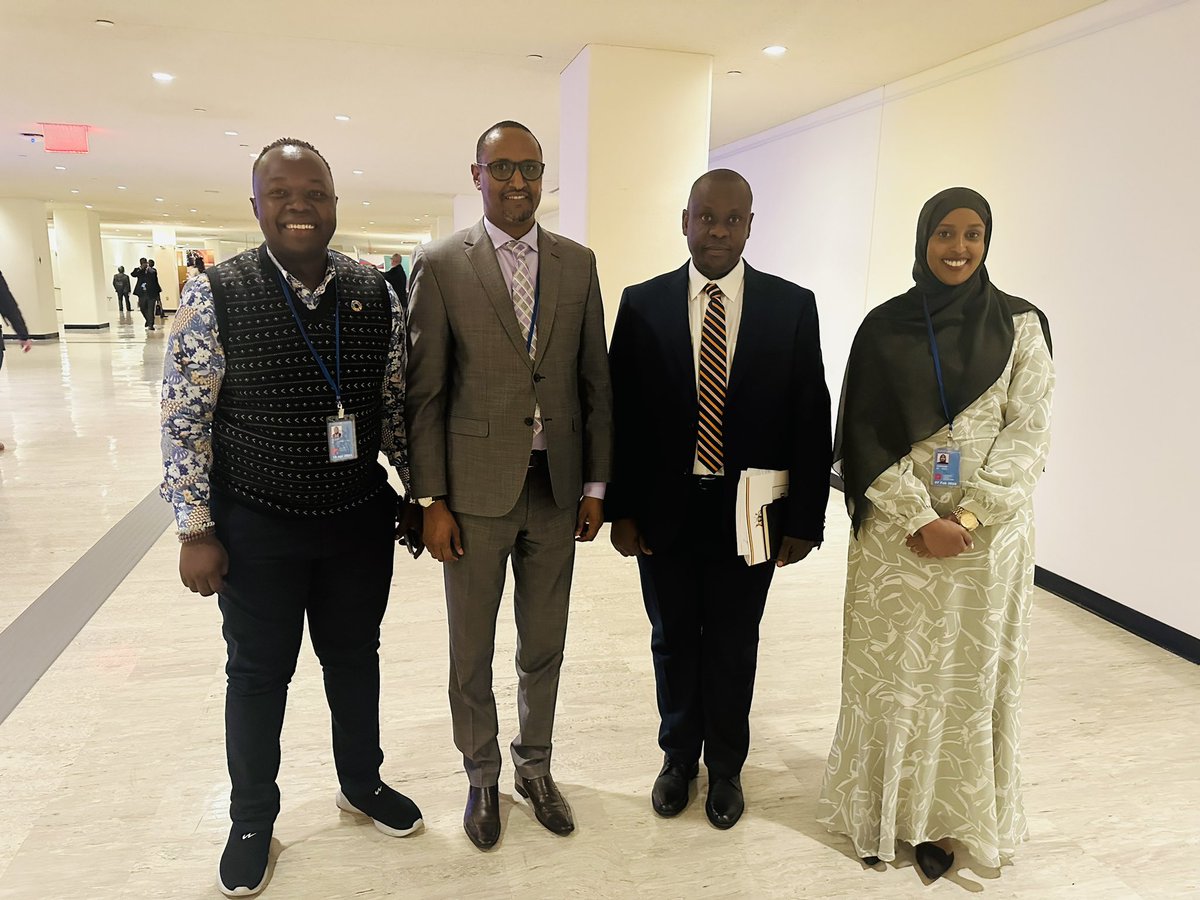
509 205
956 247
295 204
717 223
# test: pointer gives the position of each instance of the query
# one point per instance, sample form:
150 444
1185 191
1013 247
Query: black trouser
338 570
705 605
123 298
146 306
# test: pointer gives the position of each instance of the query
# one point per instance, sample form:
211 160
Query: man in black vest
284 379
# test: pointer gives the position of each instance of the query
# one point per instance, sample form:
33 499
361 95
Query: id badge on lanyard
947 460
341 433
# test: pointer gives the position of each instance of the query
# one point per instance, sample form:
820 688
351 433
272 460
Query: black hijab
890 397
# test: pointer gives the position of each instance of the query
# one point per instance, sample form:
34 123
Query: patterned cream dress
928 740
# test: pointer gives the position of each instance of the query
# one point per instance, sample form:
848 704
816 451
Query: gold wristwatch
966 518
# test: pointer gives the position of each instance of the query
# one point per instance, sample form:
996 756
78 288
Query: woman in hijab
943 431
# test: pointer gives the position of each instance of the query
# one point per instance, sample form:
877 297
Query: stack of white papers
757 489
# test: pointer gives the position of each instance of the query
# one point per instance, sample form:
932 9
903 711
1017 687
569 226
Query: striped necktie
522 295
711 389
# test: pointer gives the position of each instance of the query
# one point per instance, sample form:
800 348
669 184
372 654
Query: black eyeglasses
504 169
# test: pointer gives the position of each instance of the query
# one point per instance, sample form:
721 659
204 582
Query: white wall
1083 136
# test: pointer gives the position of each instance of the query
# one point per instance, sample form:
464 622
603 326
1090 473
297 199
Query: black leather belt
708 482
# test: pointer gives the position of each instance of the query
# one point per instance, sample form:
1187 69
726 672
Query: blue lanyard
937 366
337 340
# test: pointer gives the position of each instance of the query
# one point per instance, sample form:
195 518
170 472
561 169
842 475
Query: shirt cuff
595 489
919 521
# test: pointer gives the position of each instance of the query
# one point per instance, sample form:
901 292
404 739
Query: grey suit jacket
472 387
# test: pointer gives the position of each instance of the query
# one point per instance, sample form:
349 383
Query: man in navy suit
716 368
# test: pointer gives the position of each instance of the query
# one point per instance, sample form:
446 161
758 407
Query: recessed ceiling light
121 187
158 199
231 133
204 221
342 118
366 203
164 77
357 172
166 214
254 156
105 23
191 210
775 50
74 190
533 56
734 72
87 206
370 223
199 109
61 168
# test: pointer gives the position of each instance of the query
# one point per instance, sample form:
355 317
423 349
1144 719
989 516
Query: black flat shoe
933 861
670 794
725 803
550 807
481 819
870 861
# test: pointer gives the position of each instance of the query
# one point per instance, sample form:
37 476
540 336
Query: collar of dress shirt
307 297
730 283
500 238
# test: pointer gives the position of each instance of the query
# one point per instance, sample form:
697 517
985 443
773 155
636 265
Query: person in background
943 432
397 279
121 286
716 368
11 313
275 548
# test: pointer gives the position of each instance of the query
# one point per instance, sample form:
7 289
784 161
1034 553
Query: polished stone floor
112 769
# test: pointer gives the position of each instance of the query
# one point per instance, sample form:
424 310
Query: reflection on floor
113 766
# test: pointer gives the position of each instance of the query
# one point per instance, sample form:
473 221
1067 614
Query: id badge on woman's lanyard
340 432
946 460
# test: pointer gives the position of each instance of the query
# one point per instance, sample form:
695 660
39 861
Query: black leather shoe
481 820
670 794
549 805
932 860
725 803
870 861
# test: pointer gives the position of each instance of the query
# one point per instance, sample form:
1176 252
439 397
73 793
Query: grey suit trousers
538 536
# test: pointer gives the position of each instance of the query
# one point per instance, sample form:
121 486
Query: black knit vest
270 446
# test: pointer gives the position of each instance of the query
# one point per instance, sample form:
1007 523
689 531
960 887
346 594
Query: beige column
25 262
85 301
165 253
634 136
468 209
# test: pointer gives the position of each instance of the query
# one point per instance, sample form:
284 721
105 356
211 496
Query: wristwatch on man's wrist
427 502
966 518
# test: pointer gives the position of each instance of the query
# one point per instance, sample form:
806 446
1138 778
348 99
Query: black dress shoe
933 861
670 794
549 805
870 860
481 820
725 803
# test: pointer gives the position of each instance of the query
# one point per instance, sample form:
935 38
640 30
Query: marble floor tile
112 769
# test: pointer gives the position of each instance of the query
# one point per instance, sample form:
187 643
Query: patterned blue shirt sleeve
394 440
192 375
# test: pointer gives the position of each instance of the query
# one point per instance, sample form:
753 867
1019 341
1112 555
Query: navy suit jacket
777 413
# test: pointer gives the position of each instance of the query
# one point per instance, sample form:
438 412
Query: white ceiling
419 81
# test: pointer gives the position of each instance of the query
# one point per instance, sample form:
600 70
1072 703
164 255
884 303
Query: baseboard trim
1178 642
99 326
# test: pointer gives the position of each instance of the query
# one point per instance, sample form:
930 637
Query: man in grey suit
509 413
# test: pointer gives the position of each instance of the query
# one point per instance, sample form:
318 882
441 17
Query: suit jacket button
538 377
529 420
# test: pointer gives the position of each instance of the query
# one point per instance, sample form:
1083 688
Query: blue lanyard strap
337 340
937 365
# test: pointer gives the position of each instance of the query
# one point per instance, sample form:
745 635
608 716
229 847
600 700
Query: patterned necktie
522 295
709 443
